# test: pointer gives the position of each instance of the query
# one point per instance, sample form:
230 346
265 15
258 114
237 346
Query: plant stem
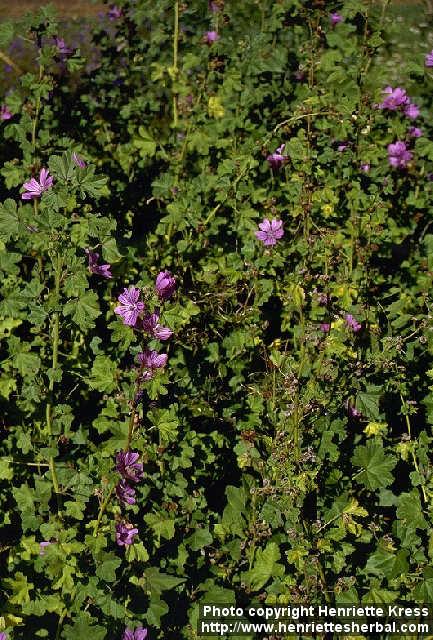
37 109
130 430
102 511
175 60
10 62
409 432
57 265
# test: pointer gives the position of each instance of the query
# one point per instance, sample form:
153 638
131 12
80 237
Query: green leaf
409 509
8 220
199 539
232 519
157 609
166 421
28 364
376 466
83 627
90 184
107 570
74 509
6 469
385 563
20 588
265 566
162 526
84 310
144 143
368 404
6 33
103 374
156 582
62 167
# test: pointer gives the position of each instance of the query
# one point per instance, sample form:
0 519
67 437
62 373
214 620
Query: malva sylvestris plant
134 314
266 434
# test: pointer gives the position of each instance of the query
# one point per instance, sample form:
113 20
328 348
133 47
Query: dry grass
65 8
80 8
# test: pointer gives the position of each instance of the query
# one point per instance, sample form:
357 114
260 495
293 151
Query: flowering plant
215 314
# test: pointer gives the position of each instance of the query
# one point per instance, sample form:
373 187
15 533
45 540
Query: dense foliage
282 450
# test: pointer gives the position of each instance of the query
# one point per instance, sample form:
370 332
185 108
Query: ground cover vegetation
216 256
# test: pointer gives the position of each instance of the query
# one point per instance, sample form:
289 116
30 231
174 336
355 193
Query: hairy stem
175 59
57 265
102 511
130 430
10 62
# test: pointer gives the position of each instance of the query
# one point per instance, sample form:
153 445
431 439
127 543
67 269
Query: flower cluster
138 634
277 159
99 269
5 113
415 132
214 6
335 18
398 155
114 12
211 36
352 323
131 472
397 99
42 546
34 189
125 533
78 160
134 313
62 47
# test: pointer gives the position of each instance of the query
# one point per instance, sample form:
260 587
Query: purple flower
3 636
138 634
42 546
322 299
128 467
353 412
352 323
151 325
61 46
114 12
395 98
100 269
415 132
213 6
130 306
211 36
411 111
5 114
165 285
429 59
365 167
78 160
125 534
398 155
335 18
342 147
270 231
125 492
150 359
34 188
325 327
277 159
